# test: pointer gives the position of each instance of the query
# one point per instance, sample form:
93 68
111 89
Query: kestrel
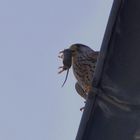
83 60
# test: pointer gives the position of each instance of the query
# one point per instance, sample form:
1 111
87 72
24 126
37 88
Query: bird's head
79 48
74 49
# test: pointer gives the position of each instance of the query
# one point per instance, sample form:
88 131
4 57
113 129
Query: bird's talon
82 108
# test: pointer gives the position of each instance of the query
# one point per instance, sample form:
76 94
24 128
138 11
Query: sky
33 106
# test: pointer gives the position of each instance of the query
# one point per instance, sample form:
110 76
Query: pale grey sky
33 106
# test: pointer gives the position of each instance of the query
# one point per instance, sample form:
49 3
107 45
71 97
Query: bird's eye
73 51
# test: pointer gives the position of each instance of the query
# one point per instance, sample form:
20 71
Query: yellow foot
82 108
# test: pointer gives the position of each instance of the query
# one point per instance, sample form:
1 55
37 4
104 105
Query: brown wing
80 91
93 56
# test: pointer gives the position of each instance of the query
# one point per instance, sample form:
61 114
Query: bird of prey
83 60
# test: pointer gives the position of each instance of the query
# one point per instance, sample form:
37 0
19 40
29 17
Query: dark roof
112 111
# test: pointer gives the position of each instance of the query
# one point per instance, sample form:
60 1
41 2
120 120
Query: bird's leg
81 92
87 89
82 108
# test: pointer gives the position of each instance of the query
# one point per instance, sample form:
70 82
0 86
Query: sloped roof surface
114 113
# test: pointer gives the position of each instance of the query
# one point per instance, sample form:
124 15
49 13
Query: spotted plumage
83 63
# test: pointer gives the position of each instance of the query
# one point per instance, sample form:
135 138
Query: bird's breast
83 71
